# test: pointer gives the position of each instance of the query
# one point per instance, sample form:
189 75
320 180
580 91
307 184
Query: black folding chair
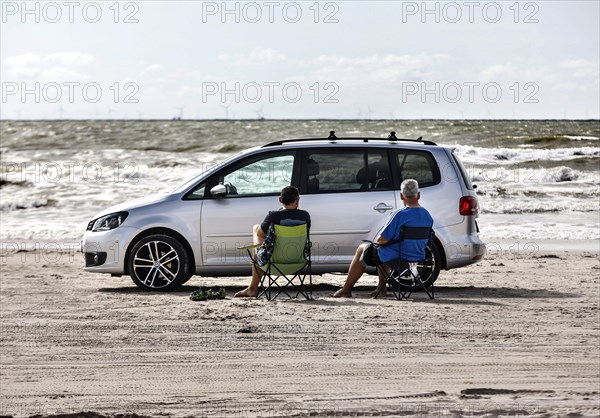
402 276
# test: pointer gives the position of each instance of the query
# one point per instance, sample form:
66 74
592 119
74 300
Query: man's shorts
369 257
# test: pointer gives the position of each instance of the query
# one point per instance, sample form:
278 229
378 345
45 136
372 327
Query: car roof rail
333 139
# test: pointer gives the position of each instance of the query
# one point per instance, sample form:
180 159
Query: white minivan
350 186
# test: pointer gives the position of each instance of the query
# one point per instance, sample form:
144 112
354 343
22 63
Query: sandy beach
510 336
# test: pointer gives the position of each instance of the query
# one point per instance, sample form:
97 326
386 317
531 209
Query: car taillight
468 206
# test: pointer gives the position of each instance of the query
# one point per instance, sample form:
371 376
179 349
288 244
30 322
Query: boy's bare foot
246 293
379 292
342 294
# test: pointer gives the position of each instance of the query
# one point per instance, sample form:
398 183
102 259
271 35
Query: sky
300 60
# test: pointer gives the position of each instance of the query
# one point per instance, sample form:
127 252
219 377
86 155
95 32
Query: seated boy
288 215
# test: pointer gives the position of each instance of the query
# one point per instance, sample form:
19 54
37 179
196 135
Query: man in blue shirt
412 250
288 215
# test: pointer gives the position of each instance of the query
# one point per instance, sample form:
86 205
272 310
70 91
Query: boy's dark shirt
285 217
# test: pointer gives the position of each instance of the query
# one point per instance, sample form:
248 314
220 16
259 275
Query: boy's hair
409 188
289 195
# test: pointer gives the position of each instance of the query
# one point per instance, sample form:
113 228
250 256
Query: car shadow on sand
443 294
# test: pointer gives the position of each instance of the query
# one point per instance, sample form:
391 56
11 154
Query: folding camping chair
289 266
404 276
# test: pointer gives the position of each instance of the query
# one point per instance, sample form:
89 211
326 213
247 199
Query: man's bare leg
354 273
252 290
381 290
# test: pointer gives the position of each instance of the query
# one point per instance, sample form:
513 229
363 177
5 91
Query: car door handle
382 207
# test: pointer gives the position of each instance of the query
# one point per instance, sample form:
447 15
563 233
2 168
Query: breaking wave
477 155
9 204
56 175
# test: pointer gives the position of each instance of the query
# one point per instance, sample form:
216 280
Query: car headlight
107 222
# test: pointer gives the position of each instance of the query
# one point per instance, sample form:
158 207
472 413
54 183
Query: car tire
159 263
437 266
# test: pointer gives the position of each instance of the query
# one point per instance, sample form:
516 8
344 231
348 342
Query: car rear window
420 166
463 172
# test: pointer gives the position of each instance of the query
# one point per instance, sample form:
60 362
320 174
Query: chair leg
261 284
430 292
402 291
284 284
418 283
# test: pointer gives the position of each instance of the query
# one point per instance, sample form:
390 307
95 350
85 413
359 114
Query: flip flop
201 295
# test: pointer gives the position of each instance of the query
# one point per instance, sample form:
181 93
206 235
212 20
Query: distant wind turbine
226 107
259 113
180 109
110 112
60 112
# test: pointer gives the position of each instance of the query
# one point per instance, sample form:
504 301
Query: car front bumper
104 251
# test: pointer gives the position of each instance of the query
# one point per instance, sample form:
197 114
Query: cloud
59 58
509 73
390 68
52 67
68 58
566 76
258 56
582 67
23 60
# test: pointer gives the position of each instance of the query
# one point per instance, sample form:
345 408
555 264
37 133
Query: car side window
379 171
197 193
418 166
259 177
346 170
334 171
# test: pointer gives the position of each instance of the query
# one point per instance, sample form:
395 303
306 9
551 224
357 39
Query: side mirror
219 191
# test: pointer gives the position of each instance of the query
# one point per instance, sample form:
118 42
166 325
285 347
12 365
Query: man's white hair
409 188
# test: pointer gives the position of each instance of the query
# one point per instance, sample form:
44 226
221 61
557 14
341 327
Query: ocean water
537 180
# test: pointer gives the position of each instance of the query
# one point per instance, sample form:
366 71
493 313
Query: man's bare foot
246 293
379 292
342 294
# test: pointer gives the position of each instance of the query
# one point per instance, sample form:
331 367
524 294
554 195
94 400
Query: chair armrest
373 243
248 247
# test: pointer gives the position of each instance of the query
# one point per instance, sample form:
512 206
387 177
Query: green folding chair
289 266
